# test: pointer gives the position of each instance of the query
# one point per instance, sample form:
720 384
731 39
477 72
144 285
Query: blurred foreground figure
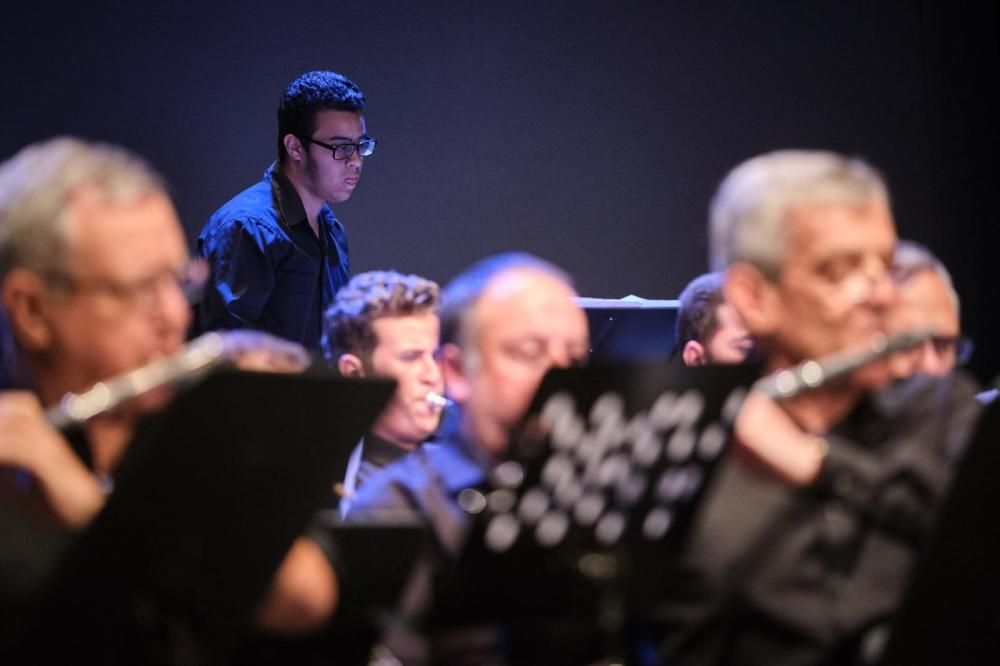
94 275
804 545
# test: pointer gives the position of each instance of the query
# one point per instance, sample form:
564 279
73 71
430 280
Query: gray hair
911 258
37 183
748 214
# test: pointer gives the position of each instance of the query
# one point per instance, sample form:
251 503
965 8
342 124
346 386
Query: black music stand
598 492
374 561
951 614
207 501
631 329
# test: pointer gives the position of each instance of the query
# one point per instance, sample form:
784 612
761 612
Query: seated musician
385 324
804 547
927 300
93 273
708 329
504 322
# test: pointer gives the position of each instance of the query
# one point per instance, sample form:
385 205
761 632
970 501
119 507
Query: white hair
37 183
748 214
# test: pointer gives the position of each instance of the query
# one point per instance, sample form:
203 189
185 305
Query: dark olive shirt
795 576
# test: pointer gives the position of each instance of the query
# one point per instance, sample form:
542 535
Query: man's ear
754 297
350 365
453 370
294 147
694 353
24 301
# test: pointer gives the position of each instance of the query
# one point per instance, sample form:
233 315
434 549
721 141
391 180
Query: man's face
525 322
405 348
117 304
835 291
731 342
925 303
328 179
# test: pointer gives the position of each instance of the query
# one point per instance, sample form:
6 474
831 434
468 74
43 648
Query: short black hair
312 92
699 304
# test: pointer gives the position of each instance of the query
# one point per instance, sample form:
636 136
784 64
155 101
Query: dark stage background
590 133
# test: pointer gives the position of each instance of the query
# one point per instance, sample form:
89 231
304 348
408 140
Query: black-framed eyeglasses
960 347
343 151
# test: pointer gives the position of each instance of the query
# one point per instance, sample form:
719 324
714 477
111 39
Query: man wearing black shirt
803 547
278 254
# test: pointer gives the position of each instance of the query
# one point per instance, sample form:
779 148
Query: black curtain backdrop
592 134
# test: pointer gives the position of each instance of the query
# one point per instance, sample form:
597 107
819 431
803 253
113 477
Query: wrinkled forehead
816 232
123 236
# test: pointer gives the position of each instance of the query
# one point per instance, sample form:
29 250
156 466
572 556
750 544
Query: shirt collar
286 199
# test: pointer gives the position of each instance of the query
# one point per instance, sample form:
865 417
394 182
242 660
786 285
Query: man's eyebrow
340 138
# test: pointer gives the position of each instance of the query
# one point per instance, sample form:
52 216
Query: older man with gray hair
93 275
927 301
804 546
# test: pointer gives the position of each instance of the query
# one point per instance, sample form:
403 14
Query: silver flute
198 355
813 374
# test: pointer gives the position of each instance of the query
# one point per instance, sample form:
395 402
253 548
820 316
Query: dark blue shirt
269 270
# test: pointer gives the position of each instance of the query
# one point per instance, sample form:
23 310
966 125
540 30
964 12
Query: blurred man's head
709 330
504 322
806 238
383 323
927 301
93 261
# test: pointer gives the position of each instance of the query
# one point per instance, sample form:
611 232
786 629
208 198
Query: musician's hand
304 592
28 442
256 350
769 437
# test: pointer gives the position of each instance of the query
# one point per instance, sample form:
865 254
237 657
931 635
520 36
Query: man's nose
430 371
172 308
560 357
883 286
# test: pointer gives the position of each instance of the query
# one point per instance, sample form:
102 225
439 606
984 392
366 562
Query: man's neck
389 439
311 204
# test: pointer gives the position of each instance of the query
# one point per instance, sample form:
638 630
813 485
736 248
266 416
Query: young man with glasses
278 254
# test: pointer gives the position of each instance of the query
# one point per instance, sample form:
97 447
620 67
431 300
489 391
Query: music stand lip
631 328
